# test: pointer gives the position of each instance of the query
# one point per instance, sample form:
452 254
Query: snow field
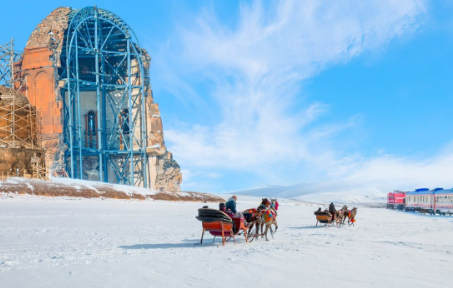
67 242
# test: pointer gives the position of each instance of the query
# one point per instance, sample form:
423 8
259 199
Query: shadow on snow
189 244
160 246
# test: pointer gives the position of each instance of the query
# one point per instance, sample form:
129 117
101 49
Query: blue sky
284 92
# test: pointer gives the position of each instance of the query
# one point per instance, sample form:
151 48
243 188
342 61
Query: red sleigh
219 224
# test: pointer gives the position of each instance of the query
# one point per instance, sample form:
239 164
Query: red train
396 200
423 200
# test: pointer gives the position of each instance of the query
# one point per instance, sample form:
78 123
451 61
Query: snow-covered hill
325 192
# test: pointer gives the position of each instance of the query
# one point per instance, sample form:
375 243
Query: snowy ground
58 242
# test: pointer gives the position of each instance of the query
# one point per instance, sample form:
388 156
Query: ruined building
21 153
85 71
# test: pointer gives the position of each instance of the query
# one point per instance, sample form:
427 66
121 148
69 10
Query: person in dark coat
332 209
222 207
231 204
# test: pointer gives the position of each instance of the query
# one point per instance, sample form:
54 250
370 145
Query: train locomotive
395 200
423 200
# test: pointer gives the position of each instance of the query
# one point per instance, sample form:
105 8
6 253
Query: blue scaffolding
7 59
102 58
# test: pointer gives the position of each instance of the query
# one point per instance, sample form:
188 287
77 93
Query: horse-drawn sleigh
229 225
338 217
220 224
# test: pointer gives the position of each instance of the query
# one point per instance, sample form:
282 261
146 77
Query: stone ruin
42 68
21 153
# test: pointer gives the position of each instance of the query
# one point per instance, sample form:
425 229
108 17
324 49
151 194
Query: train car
421 200
395 200
443 201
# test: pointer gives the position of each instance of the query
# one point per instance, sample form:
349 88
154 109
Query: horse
266 217
345 211
265 204
274 206
351 216
339 217
252 218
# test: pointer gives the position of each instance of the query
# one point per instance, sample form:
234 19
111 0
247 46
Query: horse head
274 203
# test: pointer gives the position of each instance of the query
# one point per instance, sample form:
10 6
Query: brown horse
265 204
253 220
346 213
265 217
339 217
351 216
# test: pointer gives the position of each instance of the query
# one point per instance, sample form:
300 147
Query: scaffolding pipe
71 138
129 116
98 97
12 63
78 124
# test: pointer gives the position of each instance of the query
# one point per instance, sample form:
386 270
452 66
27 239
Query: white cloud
368 180
257 68
389 172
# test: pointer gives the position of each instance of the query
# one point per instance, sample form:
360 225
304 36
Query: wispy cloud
257 68
391 172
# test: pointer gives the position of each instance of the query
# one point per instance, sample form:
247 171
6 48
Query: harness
250 211
268 215
351 216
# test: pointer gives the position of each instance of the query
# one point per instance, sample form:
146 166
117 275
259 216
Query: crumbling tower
85 70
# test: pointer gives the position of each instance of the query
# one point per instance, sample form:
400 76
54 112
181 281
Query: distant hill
322 192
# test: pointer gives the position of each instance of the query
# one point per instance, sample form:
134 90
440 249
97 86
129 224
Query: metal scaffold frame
103 42
7 59
20 124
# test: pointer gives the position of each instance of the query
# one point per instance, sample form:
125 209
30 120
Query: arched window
91 125
90 129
